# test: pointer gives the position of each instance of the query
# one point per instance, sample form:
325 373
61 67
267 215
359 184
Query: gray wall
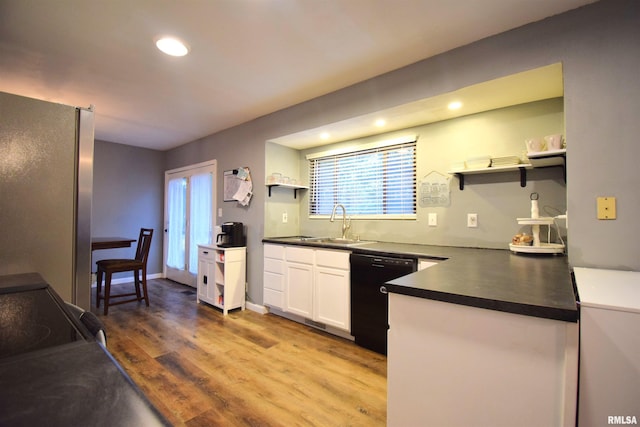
598 46
242 146
128 194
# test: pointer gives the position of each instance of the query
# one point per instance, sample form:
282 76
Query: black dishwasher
370 306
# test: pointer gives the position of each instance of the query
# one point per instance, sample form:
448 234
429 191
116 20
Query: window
371 182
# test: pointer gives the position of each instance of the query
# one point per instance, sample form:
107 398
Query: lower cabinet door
332 297
206 279
299 286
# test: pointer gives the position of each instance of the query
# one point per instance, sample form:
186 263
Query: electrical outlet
433 219
472 220
285 217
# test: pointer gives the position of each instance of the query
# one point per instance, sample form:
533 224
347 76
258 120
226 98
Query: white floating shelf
547 158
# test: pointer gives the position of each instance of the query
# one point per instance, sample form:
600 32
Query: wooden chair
137 265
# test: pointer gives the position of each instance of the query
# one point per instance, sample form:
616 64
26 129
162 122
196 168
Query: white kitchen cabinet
332 293
273 292
222 277
308 282
299 280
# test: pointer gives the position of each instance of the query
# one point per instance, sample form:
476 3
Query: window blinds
374 181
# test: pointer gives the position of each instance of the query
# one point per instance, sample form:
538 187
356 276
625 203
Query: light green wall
498 199
285 161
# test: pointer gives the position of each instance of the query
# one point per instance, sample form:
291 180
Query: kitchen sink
333 241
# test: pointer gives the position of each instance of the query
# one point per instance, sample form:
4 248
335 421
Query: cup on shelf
274 178
554 142
535 145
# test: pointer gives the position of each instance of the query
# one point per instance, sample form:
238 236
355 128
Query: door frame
188 171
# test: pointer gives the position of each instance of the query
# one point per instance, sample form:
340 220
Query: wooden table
98 243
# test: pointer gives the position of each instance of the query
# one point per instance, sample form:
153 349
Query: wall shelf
292 186
542 159
522 167
549 158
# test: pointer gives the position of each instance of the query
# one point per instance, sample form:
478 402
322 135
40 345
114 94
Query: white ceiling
248 58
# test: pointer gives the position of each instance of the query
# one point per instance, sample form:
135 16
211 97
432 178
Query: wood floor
200 368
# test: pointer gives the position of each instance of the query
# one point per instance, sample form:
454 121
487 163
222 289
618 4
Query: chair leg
98 287
136 284
107 291
144 286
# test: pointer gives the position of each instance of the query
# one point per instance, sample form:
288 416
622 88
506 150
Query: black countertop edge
552 313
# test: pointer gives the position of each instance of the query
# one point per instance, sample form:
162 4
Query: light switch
606 207
433 219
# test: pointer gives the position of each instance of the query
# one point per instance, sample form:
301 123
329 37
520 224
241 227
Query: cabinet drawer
274 266
207 253
274 251
273 281
298 254
333 259
273 298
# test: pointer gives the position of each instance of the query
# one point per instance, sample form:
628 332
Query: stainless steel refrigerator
46 182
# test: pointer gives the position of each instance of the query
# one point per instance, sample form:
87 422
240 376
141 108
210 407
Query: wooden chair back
144 245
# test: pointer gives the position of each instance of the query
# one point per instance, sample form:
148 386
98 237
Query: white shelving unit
538 247
222 277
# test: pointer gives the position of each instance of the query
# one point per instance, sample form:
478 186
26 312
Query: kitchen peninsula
490 339
485 337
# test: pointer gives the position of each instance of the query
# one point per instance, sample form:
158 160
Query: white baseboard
261 309
126 279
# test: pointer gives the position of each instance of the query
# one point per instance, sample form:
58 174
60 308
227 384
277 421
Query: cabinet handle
204 279
205 252
383 289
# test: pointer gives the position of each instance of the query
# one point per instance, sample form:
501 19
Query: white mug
534 145
554 142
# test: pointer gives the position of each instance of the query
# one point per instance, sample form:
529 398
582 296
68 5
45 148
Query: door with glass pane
189 219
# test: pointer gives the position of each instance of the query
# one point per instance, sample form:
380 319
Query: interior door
190 204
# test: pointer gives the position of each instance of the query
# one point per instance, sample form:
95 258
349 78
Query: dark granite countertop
531 285
52 370
71 385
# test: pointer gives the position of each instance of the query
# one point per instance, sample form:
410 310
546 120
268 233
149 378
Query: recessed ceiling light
455 105
325 135
381 122
172 46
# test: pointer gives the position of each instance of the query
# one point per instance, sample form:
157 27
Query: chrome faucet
346 222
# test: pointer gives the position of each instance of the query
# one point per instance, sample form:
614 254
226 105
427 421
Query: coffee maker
232 235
